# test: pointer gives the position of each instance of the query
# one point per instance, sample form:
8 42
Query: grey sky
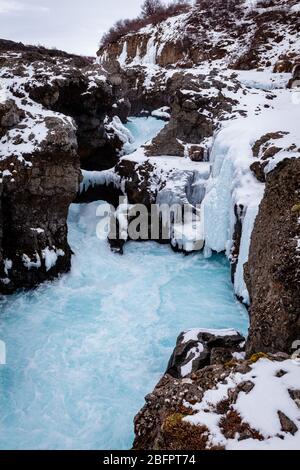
72 25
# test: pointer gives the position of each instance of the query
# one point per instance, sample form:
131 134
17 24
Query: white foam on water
83 351
143 129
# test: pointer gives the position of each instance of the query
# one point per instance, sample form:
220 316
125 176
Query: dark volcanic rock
166 402
287 425
160 424
209 348
273 270
194 116
55 109
34 211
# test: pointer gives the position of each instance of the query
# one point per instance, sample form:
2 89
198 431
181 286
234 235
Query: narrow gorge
185 128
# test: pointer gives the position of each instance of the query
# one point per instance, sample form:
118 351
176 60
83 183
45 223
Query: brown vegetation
152 12
232 425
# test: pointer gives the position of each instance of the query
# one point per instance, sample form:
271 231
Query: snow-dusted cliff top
241 34
32 84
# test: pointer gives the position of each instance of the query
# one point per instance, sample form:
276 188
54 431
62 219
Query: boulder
196 349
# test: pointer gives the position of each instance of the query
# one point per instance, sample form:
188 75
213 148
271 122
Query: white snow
168 162
259 408
150 56
123 56
295 8
38 230
7 265
192 335
188 235
122 132
193 354
29 263
51 256
161 113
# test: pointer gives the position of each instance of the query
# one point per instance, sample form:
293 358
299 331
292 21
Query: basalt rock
195 115
34 206
56 109
73 86
206 409
273 270
161 424
202 348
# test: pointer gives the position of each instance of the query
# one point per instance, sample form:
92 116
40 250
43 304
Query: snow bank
124 134
162 113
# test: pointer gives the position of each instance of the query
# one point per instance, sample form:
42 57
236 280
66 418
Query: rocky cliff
249 34
273 270
217 400
55 116
186 54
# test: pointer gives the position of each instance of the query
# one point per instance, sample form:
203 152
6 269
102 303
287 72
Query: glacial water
143 129
83 351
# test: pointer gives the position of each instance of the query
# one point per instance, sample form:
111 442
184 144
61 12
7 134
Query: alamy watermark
160 222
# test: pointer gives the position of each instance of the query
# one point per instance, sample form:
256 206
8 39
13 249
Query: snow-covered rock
233 404
55 109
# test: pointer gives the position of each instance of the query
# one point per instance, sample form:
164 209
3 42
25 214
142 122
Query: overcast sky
72 25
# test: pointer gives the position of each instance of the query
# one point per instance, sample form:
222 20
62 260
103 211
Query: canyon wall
56 112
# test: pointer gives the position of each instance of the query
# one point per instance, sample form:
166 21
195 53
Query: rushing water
143 129
84 350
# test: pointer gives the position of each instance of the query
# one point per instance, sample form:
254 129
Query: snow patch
29 263
259 408
192 335
51 256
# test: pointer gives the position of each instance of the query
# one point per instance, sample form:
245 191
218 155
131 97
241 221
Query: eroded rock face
34 207
273 273
197 106
156 425
56 110
70 85
247 32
